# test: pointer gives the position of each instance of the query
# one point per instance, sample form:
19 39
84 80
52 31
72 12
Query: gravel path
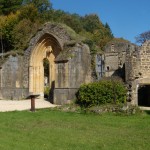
12 105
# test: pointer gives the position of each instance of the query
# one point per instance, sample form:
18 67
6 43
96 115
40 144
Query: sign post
32 97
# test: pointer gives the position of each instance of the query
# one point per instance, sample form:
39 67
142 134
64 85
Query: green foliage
33 13
120 109
108 29
96 33
46 67
46 90
102 92
73 21
9 6
118 40
41 5
54 130
6 30
91 22
28 12
22 33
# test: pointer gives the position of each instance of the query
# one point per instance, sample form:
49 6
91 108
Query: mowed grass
55 130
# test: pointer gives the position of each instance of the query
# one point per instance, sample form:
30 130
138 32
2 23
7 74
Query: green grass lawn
55 130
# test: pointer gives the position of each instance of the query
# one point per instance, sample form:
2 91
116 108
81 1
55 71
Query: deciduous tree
22 33
41 5
143 37
9 6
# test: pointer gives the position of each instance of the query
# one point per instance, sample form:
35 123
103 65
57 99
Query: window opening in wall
107 68
112 48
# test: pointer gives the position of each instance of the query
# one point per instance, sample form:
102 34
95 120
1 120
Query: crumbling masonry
132 64
70 65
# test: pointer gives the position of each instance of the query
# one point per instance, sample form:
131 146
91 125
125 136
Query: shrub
110 91
117 109
46 91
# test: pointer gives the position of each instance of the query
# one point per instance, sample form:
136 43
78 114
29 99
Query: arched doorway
46 49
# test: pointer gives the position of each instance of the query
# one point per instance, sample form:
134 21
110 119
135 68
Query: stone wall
99 68
11 75
115 57
137 70
71 74
132 63
145 59
111 63
70 66
55 30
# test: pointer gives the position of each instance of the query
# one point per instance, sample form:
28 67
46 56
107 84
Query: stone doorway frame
47 47
135 87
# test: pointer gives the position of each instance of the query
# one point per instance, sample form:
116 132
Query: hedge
102 92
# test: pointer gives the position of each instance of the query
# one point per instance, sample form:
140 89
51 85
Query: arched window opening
107 68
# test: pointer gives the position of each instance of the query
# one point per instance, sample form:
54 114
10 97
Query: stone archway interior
47 49
144 96
47 79
46 72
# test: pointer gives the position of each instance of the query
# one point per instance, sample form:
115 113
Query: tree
23 32
41 5
141 38
91 22
108 29
73 21
6 29
28 12
9 6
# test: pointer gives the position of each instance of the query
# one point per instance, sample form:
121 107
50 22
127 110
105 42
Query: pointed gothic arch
47 47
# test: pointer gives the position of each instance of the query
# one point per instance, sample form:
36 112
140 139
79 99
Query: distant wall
114 59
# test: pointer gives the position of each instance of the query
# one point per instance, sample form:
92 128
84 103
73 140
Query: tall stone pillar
30 79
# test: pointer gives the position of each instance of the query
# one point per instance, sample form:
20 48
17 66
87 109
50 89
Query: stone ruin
69 66
132 64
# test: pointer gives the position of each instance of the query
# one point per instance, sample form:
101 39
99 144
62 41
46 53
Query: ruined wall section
116 46
138 62
145 60
72 73
11 74
57 30
132 64
115 57
137 70
111 63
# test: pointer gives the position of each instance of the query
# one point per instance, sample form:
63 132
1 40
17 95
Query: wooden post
32 103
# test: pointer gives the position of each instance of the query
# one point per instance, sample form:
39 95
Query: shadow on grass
147 112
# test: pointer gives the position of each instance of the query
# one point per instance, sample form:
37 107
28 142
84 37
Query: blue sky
127 18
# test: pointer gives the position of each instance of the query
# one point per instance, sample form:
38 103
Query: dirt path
12 105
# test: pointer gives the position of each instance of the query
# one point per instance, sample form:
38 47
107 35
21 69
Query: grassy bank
55 130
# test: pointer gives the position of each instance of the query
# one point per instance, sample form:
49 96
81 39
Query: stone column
30 79
41 81
66 75
52 73
34 79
